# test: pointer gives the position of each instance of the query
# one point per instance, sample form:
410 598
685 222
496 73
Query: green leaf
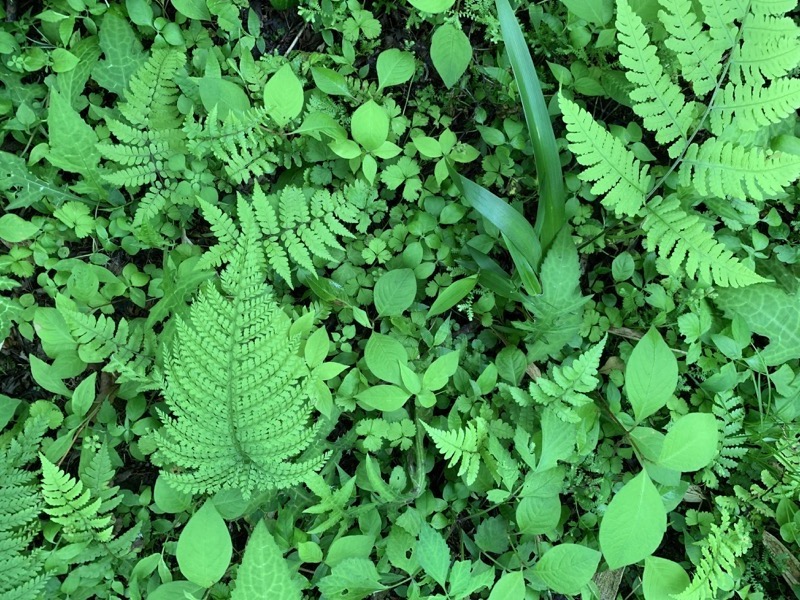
73 143
567 568
370 125
204 547
433 554
597 12
7 408
394 292
168 499
394 67
537 515
768 311
264 572
63 60
283 95
691 443
84 395
140 11
651 375
351 579
330 82
123 52
177 590
663 579
550 215
383 397
558 440
383 355
225 95
432 6
452 295
634 523
193 9
15 229
511 586
25 187
48 376
317 348
440 371
451 53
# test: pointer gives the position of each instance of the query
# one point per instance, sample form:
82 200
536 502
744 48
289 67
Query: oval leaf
395 292
663 579
691 443
451 53
204 547
511 586
432 6
383 397
452 295
370 125
394 67
634 523
283 95
567 568
651 375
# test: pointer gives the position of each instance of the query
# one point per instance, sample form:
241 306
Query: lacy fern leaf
238 394
684 242
656 98
616 173
461 446
151 100
721 169
750 107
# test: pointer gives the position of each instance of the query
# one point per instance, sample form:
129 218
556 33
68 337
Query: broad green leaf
15 229
204 548
634 523
550 213
691 443
317 123
370 125
433 554
382 355
432 6
383 397
349 546
558 440
63 60
140 11
394 292
48 376
440 371
511 363
73 143
283 95
24 188
511 586
123 53
316 348
663 579
351 579
597 12
768 311
84 395
452 295
651 375
330 82
73 82
538 515
567 568
168 499
225 95
177 590
394 67
451 53
264 572
193 9
7 408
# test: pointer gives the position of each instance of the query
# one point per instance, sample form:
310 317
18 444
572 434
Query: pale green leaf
204 548
451 53
691 443
433 554
567 568
511 586
283 95
370 125
264 572
663 579
394 67
651 375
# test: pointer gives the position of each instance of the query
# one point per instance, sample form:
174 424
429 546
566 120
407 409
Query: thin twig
295 40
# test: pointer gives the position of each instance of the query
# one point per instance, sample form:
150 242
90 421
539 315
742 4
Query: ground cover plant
442 299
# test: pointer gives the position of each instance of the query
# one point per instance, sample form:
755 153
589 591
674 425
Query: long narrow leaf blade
550 216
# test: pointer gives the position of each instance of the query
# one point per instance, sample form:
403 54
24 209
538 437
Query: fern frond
151 100
723 169
721 17
699 55
462 446
750 107
684 242
224 229
656 98
770 59
238 394
617 174
567 386
73 507
730 413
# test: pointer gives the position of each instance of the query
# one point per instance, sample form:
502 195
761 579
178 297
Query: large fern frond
750 107
656 98
238 394
683 241
699 55
617 174
723 169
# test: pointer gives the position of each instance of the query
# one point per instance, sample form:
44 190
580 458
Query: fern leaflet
462 446
615 171
750 107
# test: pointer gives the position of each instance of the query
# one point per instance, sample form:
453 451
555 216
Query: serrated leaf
264 572
433 554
